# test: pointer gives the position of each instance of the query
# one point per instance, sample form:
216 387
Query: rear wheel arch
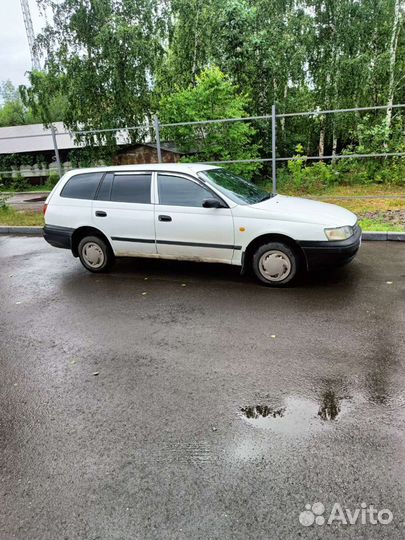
81 232
272 237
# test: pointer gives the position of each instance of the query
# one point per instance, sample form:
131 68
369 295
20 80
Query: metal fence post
55 147
273 148
157 136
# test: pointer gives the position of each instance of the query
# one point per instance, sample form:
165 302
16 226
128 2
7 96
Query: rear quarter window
82 186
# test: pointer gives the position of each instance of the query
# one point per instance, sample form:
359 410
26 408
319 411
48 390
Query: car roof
171 167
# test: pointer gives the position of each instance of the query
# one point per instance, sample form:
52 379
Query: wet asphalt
27 201
182 401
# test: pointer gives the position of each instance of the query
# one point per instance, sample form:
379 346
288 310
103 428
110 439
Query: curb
44 192
393 236
32 231
368 235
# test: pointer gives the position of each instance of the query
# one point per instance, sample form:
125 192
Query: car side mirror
212 203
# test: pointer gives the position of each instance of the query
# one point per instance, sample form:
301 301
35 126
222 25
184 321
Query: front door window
178 191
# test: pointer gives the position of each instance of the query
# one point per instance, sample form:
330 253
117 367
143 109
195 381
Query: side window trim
154 189
99 186
186 177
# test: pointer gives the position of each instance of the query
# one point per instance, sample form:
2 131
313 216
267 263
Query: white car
194 212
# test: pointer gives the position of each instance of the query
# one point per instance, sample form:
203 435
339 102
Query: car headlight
339 233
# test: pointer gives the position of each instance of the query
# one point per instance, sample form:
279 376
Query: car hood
305 210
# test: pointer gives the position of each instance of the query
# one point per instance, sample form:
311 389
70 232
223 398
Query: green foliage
53 179
88 156
16 109
213 96
101 56
379 225
10 216
12 110
10 161
377 136
110 64
390 170
299 55
313 178
19 183
191 36
45 97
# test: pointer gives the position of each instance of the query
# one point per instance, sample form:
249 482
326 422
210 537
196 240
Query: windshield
236 188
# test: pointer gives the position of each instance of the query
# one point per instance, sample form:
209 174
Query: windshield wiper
268 196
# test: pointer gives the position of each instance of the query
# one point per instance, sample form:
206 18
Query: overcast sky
15 57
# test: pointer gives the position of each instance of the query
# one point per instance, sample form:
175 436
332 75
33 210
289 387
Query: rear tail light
45 207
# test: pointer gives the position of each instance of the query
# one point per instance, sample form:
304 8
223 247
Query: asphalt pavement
183 401
27 201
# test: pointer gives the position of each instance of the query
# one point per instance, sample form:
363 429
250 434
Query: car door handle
164 218
101 213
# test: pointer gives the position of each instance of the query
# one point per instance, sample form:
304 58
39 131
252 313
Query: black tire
281 260
94 247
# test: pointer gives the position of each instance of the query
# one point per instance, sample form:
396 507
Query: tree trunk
150 128
282 120
334 143
321 146
393 54
196 28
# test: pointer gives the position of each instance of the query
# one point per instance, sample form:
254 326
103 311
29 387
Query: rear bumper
325 254
60 237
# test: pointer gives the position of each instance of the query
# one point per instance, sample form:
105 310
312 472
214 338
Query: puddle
262 411
329 406
298 415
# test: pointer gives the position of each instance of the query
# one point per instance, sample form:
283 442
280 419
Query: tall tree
395 28
212 96
102 54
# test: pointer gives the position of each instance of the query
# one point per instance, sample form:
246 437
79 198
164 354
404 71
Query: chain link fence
123 136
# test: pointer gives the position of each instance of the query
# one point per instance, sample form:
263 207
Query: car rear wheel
275 264
95 255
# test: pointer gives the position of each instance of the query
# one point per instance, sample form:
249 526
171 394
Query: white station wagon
194 212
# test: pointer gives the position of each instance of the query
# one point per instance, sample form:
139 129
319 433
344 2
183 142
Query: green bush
390 170
6 181
53 179
19 183
302 175
3 204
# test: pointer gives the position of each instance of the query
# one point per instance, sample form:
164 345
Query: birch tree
392 58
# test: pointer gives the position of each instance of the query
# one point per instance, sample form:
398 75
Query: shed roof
33 138
37 138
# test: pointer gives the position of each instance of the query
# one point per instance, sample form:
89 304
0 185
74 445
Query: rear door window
131 188
82 186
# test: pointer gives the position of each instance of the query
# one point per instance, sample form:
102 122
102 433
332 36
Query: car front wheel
275 264
95 255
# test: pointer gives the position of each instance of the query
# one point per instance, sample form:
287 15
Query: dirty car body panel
194 212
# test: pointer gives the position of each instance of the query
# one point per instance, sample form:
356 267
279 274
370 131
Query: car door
184 228
123 211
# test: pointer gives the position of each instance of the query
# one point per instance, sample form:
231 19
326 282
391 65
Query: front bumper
325 254
60 237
